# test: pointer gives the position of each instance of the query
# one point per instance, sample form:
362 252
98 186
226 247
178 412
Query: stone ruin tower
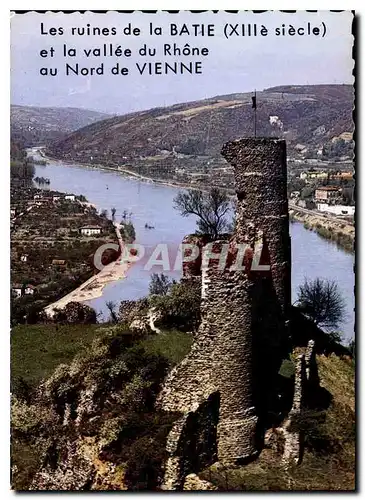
223 387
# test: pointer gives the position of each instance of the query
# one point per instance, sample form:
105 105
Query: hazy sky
236 64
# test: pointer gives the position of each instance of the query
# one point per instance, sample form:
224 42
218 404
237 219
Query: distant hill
35 125
309 115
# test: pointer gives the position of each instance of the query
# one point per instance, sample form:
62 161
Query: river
151 203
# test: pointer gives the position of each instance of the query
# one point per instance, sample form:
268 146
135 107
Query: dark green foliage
128 232
338 148
181 306
160 284
322 302
75 313
343 240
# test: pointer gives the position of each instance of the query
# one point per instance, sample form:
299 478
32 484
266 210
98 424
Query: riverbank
93 287
133 175
340 232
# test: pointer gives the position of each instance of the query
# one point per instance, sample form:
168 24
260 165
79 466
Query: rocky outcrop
194 483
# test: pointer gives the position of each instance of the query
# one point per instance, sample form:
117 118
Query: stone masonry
242 312
305 382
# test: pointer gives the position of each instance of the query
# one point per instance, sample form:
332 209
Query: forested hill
309 115
35 125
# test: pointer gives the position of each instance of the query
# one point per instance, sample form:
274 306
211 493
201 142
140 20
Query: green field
36 350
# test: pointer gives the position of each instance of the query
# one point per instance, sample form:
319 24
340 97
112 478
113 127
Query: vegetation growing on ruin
329 448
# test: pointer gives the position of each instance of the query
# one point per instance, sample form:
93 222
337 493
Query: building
90 230
24 257
343 176
327 194
336 209
13 211
57 198
313 174
17 290
70 197
58 262
29 290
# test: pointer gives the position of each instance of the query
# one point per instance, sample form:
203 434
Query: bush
181 306
160 284
75 313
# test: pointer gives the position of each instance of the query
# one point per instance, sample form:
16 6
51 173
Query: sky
234 64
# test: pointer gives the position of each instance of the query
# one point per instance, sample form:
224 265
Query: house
90 230
56 197
336 209
17 290
13 211
29 290
326 194
313 174
43 201
70 197
24 257
343 176
58 262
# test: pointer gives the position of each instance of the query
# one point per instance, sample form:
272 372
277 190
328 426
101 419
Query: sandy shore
93 287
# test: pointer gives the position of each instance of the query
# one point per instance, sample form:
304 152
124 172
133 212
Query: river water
151 203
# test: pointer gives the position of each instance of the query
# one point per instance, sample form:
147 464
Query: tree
322 302
160 284
111 306
211 209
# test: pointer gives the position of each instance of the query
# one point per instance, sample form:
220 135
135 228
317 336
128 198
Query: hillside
173 136
94 415
34 125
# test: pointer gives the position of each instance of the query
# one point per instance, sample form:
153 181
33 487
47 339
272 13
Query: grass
36 350
172 344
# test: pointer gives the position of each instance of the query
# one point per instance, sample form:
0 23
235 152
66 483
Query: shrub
74 313
181 306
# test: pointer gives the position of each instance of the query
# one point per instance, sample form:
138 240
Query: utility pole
254 105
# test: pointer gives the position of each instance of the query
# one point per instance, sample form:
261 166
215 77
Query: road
316 213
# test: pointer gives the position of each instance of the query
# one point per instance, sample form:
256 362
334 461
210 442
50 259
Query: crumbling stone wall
239 308
192 443
191 269
306 383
